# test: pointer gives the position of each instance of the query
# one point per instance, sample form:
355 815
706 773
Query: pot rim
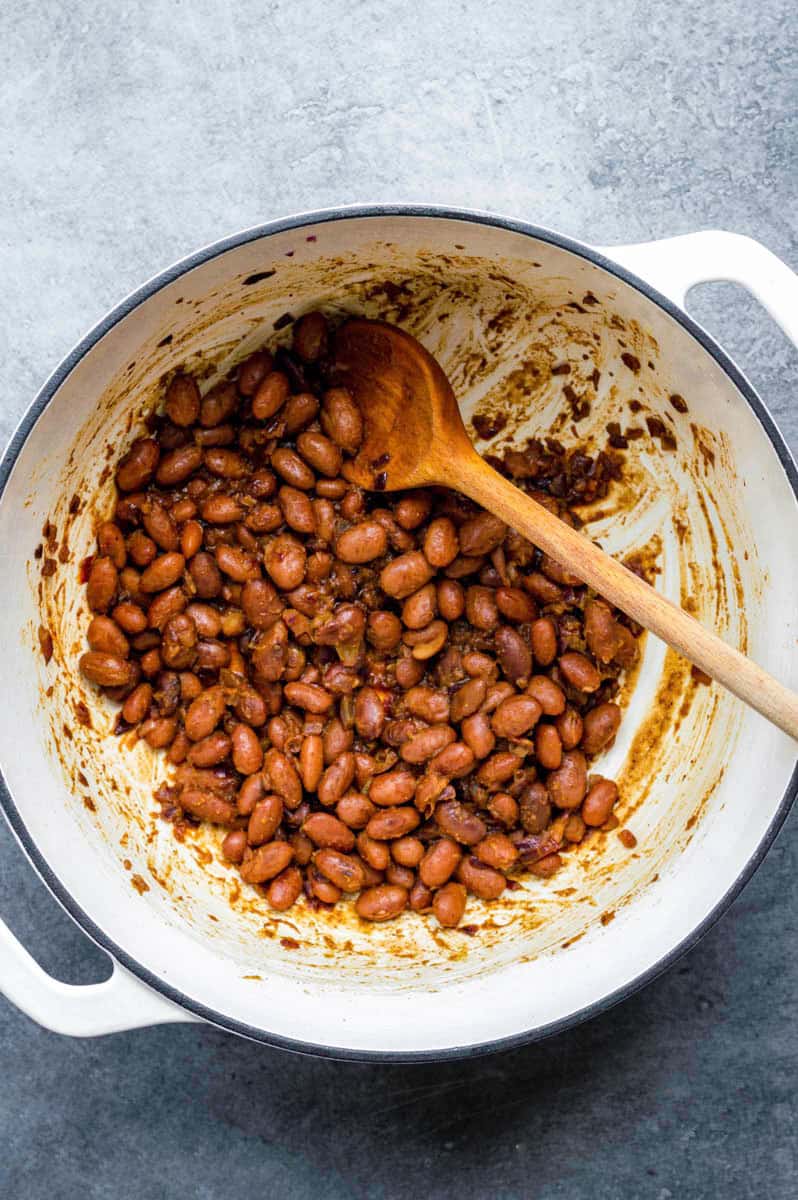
122 310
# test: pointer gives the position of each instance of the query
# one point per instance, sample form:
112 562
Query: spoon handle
611 579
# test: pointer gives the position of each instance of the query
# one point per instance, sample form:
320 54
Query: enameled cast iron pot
709 499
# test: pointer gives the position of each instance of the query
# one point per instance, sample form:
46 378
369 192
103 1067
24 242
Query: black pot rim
118 313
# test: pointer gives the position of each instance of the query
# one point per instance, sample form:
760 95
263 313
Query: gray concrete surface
132 133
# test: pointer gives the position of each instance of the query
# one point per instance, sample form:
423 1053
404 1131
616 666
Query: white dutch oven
706 785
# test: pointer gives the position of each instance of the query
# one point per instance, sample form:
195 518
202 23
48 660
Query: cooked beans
362 543
448 904
599 802
390 695
600 726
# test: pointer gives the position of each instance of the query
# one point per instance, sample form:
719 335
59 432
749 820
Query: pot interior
705 501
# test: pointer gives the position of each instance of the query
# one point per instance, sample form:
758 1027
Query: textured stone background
132 133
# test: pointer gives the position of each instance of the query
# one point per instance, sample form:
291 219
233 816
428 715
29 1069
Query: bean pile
388 695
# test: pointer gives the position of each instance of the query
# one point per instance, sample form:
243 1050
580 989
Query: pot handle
80 1010
674 265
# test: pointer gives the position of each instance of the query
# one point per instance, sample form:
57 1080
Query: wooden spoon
414 436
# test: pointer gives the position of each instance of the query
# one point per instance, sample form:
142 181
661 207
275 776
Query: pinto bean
234 846
111 544
392 823
218 405
336 740
497 769
205 576
265 820
405 574
298 411
266 862
480 879
569 726
327 831
309 337
599 802
515 716
448 904
392 787
355 810
137 467
336 780
137 705
454 761
270 396
497 851
284 889
579 671
102 585
238 564
226 464
309 696
481 534
600 727
176 466
249 794
282 777
439 863
426 743
341 419
320 453
160 526
548 694
207 806
451 599
420 897
344 870
515 605
369 713
420 608
286 560
162 573
247 751
480 607
107 670
221 510
568 784
459 822
191 537
441 545
165 606
548 746
105 635
205 713
311 761
362 543
381 903
468 698
504 808
478 734
130 618
375 853
514 655
601 631
210 750
178 648
253 371
430 705
182 401
546 866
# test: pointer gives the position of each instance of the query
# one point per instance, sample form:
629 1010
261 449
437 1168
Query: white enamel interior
700 798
